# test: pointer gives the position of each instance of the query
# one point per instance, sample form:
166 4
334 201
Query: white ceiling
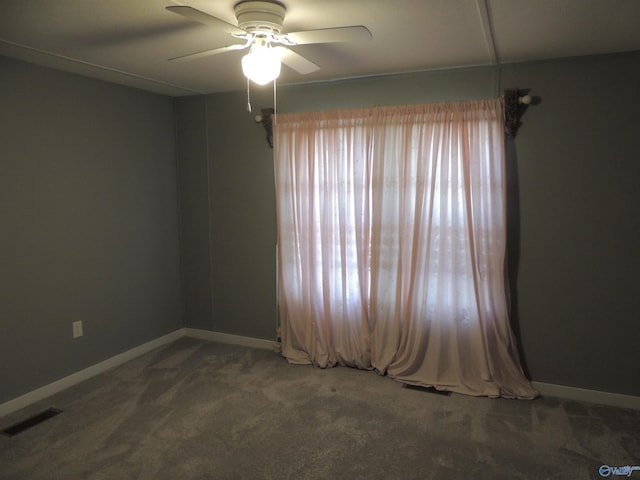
129 41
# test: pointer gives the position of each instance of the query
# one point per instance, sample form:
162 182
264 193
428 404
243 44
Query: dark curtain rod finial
515 104
266 119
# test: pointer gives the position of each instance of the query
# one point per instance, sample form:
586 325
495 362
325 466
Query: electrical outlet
77 329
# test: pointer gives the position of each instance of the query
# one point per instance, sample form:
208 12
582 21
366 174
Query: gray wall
191 130
89 223
578 157
573 207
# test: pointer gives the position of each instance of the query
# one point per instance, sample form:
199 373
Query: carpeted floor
199 410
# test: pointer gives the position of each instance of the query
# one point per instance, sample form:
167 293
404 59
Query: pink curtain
391 244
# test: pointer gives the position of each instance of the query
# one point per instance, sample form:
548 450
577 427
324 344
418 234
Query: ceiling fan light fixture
262 64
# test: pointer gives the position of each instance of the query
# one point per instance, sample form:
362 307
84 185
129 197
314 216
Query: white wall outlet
77 329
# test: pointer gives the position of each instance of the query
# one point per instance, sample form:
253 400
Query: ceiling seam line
487 30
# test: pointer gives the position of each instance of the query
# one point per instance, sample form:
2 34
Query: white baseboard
584 395
66 382
230 339
546 389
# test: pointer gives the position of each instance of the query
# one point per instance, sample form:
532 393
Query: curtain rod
515 104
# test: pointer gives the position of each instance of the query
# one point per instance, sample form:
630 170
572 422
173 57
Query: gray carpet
199 410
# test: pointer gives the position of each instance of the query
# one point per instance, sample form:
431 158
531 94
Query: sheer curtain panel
392 244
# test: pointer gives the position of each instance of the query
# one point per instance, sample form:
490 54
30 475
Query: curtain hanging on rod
392 244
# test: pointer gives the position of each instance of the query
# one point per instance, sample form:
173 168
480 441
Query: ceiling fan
259 26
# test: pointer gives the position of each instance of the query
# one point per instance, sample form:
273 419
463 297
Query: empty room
307 239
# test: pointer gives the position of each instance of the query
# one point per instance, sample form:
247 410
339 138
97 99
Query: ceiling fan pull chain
275 98
248 97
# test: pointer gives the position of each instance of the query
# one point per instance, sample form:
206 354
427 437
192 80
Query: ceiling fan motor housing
261 16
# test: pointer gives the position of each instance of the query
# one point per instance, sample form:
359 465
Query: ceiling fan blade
206 53
204 18
356 33
296 61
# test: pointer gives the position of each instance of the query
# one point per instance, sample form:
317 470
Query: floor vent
428 389
31 422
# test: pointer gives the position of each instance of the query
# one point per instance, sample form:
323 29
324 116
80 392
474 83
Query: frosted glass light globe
261 64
